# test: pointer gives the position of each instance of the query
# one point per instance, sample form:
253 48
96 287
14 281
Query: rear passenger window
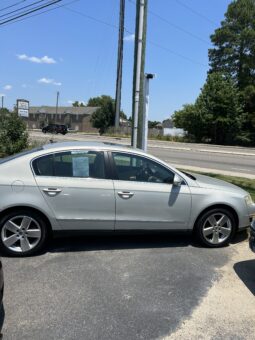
71 164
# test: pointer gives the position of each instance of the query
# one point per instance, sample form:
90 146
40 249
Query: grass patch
244 183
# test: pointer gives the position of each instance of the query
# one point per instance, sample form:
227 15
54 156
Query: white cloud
49 81
37 60
130 37
7 87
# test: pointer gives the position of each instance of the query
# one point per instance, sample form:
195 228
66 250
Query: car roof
89 144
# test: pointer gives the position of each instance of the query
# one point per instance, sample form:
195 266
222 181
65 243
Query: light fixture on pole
147 78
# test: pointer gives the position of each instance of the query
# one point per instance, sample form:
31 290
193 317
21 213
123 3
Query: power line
91 17
175 26
31 11
19 9
196 12
176 53
42 12
17 3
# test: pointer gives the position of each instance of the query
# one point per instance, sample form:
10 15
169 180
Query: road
234 161
131 287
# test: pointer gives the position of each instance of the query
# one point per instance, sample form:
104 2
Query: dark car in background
252 236
55 128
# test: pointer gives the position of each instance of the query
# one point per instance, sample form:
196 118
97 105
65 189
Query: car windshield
27 152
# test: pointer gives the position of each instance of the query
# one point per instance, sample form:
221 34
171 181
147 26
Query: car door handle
52 191
125 194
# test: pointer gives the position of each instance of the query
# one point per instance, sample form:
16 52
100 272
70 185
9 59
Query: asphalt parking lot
116 287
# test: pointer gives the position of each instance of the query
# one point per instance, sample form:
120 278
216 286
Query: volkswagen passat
105 187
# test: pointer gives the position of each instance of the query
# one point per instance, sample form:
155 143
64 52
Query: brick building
76 118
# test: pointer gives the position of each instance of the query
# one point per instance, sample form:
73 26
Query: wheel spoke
208 231
26 221
24 244
223 220
225 231
11 226
35 233
10 240
215 238
212 220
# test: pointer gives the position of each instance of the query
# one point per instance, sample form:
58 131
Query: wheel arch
222 206
25 207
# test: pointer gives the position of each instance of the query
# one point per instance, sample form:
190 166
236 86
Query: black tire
41 240
200 225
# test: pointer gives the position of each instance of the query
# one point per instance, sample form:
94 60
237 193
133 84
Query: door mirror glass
177 180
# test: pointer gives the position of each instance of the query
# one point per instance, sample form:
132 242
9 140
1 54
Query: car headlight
248 200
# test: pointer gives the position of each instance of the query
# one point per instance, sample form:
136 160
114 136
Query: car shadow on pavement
246 272
117 242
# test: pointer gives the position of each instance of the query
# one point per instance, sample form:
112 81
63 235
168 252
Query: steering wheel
144 173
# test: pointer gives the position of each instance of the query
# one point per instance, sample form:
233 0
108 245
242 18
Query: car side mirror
177 180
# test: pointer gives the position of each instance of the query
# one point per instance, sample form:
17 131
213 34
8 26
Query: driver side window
140 169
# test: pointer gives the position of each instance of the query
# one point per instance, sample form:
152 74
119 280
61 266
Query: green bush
13 134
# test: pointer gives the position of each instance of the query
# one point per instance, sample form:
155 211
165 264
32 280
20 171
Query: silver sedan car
89 186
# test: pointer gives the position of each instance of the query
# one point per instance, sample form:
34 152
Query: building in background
76 118
170 130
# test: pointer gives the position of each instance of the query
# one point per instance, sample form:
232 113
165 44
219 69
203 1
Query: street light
147 78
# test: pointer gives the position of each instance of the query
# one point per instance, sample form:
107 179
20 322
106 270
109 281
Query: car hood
217 184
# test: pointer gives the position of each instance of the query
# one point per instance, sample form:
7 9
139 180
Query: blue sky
70 52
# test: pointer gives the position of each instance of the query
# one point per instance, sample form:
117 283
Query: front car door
146 197
76 188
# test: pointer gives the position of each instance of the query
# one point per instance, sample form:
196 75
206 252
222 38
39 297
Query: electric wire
40 13
174 25
196 12
19 9
16 4
31 11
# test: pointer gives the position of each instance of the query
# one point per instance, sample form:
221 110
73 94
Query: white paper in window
80 166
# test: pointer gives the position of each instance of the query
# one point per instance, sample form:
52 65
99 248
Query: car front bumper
252 236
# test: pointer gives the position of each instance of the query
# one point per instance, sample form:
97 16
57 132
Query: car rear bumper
252 236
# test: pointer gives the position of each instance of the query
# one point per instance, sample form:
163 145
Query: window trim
106 164
114 170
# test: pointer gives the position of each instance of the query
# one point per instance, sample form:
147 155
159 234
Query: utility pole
139 63
2 102
147 78
119 64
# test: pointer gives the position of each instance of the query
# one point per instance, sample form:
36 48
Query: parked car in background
55 128
252 236
90 186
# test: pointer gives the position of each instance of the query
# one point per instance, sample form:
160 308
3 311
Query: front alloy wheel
22 233
216 227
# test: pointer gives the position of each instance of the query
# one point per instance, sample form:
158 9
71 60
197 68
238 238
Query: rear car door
146 197
75 185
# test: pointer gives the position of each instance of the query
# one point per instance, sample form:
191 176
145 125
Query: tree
104 117
13 134
191 120
234 55
153 124
234 41
217 113
78 104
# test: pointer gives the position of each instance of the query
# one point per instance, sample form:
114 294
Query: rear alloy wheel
22 233
215 228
